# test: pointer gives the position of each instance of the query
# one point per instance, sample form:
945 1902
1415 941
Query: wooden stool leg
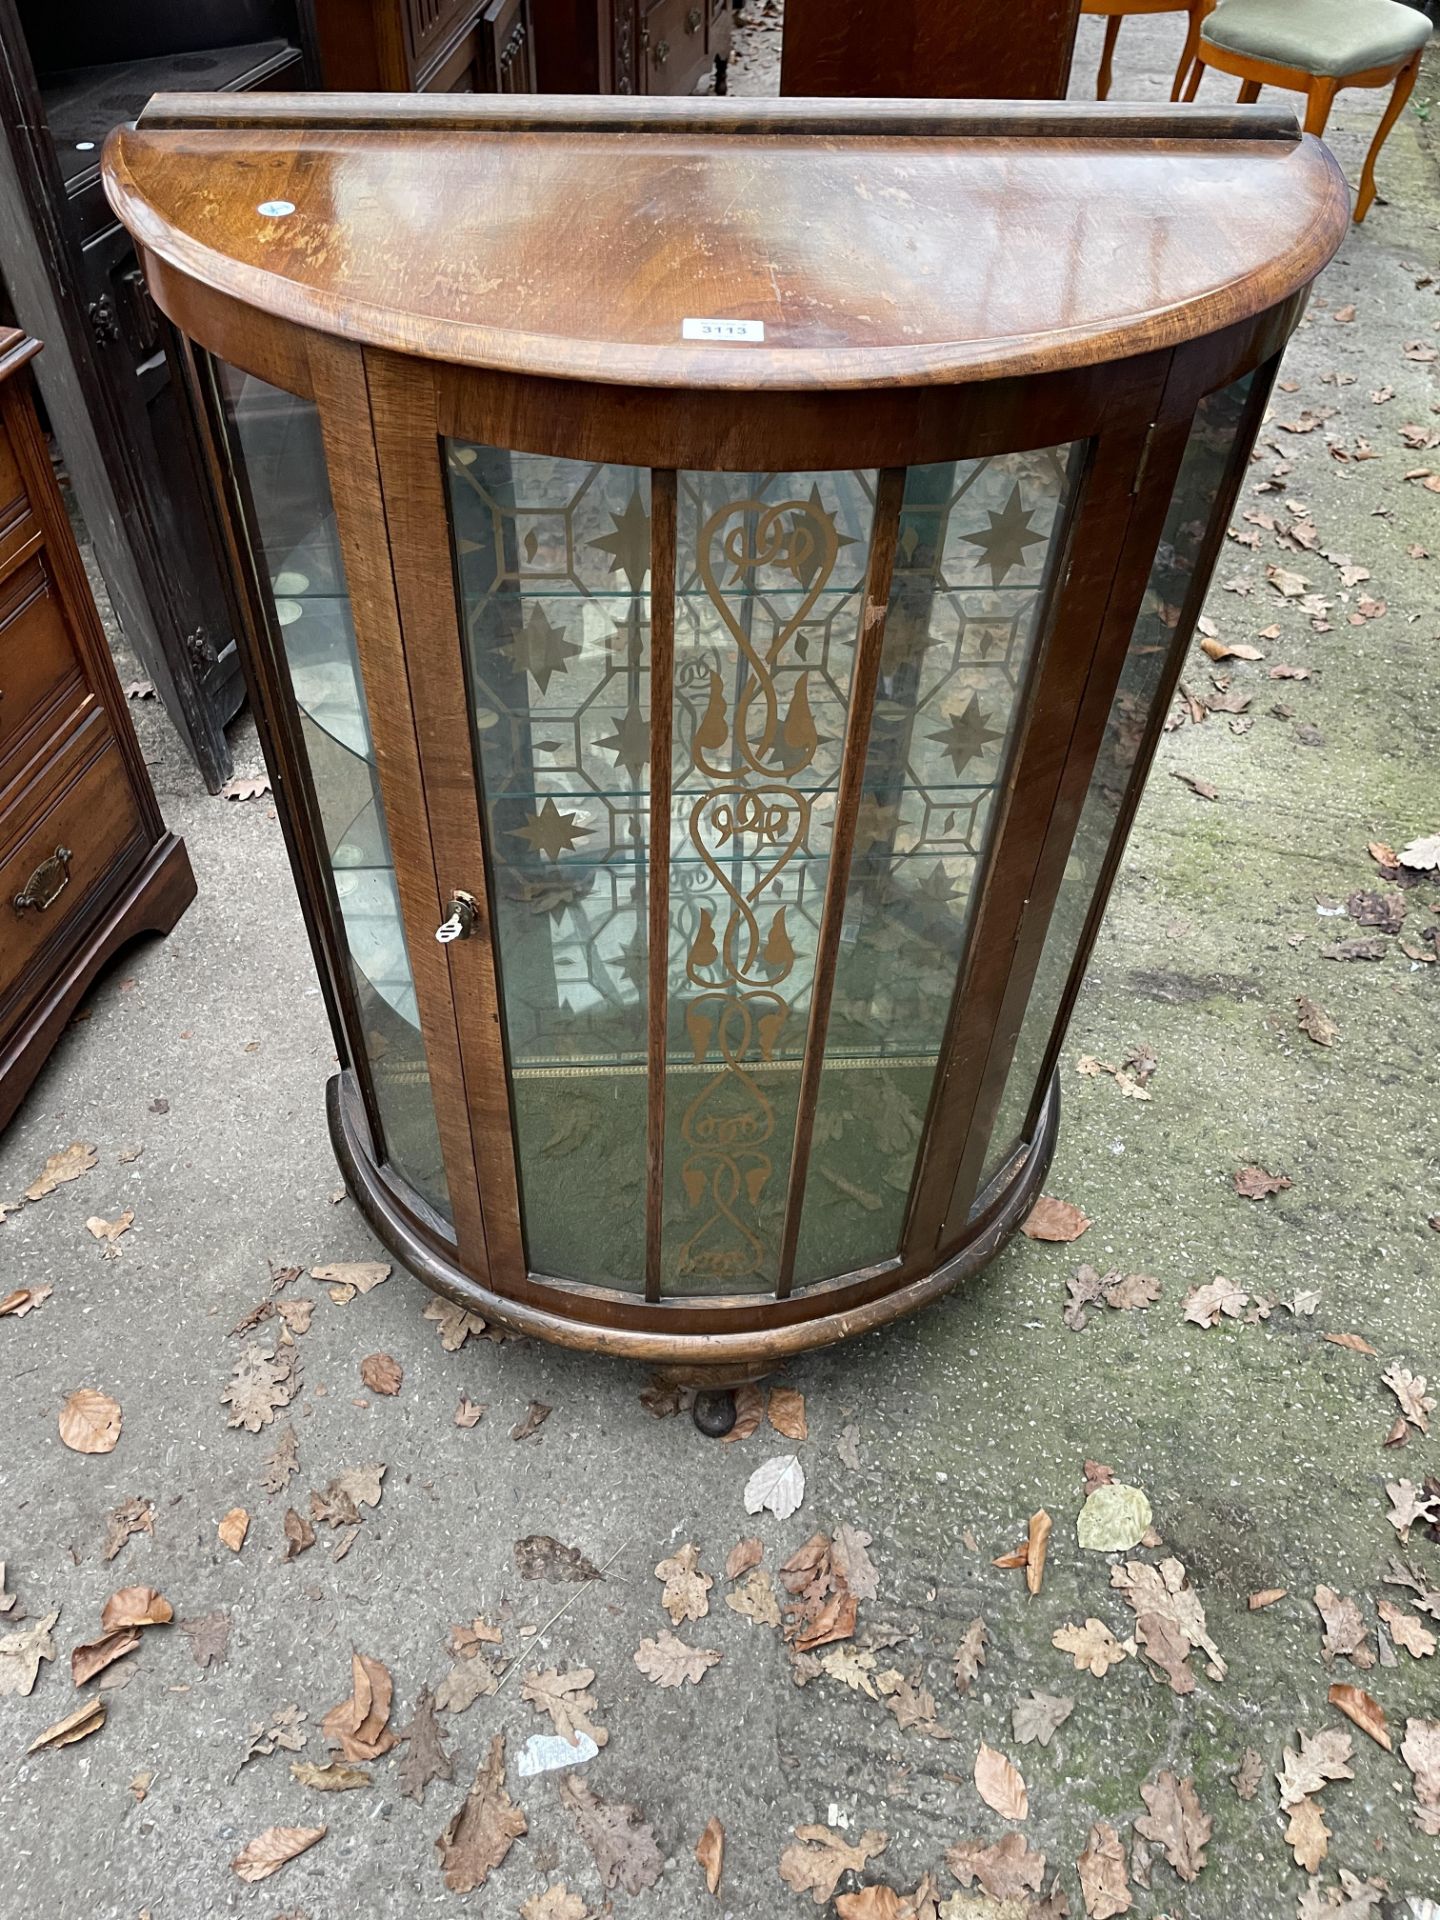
1249 90
1107 56
1197 74
1192 41
1404 86
1319 101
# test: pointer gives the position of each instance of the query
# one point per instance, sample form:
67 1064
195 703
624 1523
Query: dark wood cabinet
67 76
938 49
425 46
85 861
630 46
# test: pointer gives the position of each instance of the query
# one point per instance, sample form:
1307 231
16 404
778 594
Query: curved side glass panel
552 561
976 549
280 463
1159 630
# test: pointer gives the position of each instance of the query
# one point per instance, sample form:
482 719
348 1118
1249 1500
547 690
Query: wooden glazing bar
864 675
341 393
662 751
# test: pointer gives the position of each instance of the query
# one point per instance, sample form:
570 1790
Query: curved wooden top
880 243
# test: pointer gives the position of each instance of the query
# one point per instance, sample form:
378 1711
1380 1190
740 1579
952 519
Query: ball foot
714 1411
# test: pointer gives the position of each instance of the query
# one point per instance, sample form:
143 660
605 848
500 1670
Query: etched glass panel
771 571
281 457
1159 631
977 545
553 559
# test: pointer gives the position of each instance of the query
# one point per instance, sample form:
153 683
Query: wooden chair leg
1192 41
1197 74
1249 91
1404 86
1319 101
1107 57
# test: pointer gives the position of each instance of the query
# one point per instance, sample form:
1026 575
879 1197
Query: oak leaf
425 1758
1406 1631
349 1277
1169 1619
132 1516
336 1776
912 1704
555 1903
1205 1305
619 1840
110 1230
685 1589
851 1560
999 1783
564 1697
273 1849
670 1663
1007 1870
262 1384
283 1462
970 1655
22 1300
1176 1822
209 1637
79 1157
1038 1716
339 1505
1410 1506
1346 1634
853 1667
535 1416
486 1825
1103 1879
1410 1390
466 1682
1420 1750
1254 1183
815 1862
1247 1776
1093 1647
90 1421
456 1323
1322 1757
1307 1835
756 1599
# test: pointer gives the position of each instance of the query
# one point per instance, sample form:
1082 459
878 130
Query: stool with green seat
1315 47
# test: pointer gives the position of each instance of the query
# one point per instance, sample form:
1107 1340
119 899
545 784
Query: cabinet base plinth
711 1342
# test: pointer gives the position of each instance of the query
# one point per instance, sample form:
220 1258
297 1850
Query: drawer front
40 673
61 842
673 45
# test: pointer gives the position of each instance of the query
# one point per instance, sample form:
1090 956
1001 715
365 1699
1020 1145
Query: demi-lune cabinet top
860 243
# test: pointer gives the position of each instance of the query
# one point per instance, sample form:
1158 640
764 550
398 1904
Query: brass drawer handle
47 883
693 19
662 53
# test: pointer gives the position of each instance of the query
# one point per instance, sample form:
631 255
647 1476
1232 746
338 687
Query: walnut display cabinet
718 574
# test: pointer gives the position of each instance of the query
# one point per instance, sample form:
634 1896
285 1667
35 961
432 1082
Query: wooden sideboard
85 860
935 48
425 46
630 46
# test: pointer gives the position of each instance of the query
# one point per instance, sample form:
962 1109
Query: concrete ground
1258 1444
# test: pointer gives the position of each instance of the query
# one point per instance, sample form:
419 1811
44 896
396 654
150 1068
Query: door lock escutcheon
459 921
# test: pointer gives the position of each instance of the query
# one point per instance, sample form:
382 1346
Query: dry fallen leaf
564 1697
749 1412
1038 1715
1037 1547
283 1462
136 1607
1266 1597
382 1373
1410 1506
710 1853
92 1658
233 1529
536 1414
467 1681
1411 1391
349 1277
273 1849
1113 1519
110 1230
1365 1711
1352 1342
819 1856
1055 1220
685 1590
541 1557
209 1637
912 1704
670 1663
1103 1878
1169 1619
999 1783
339 1505
1248 1774
1307 1835
485 1826
1093 1647
1176 1822
755 1599
785 1411
970 1655
1322 1757
470 1412
1316 1023
425 1758
456 1323
619 1840
90 1421
1420 1750
1205 1305
336 1776
555 1903
299 1534
262 1384
23 1300
79 1157
357 1725
1254 1183
744 1555
777 1485
1007 1871
284 1732
85 1719
1406 1631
